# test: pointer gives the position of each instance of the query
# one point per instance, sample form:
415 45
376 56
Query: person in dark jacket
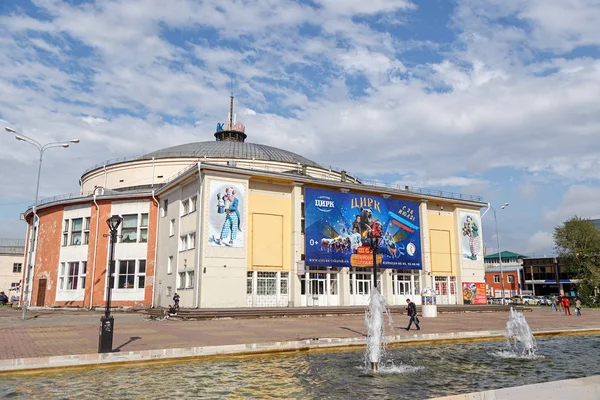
412 313
176 301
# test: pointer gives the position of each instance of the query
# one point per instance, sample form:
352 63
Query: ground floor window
129 274
267 289
72 275
185 280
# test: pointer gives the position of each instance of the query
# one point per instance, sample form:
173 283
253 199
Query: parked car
544 300
525 299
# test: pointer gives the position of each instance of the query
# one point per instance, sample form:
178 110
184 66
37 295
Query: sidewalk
69 333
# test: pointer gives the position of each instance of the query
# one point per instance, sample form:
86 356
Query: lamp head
65 145
504 206
11 130
74 141
114 222
21 138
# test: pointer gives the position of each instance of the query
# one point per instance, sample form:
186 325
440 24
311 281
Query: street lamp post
498 243
374 244
107 322
35 220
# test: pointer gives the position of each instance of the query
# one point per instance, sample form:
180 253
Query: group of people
562 303
172 309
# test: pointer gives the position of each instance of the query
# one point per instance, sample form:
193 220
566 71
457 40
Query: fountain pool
413 372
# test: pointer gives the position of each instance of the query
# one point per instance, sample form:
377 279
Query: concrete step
265 312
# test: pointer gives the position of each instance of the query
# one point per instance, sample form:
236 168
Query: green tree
577 243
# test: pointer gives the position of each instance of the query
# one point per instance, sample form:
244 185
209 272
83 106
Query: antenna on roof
231 106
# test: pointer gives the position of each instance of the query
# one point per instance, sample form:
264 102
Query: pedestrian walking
560 302
578 307
554 307
412 313
567 305
176 301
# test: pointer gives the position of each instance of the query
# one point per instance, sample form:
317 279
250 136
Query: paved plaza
65 332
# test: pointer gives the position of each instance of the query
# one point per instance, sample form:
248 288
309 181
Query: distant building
12 252
546 276
510 272
596 222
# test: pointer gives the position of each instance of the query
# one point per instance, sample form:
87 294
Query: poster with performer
474 293
470 234
340 230
226 214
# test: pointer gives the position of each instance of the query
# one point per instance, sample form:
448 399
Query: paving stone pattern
76 332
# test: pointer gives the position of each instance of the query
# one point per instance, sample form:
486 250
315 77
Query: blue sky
497 98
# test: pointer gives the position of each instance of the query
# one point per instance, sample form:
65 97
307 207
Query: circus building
230 223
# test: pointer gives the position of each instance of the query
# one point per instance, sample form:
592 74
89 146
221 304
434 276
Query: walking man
412 313
554 307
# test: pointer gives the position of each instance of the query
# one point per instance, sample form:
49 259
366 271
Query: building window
141 275
169 291
266 283
163 207
496 278
129 228
172 227
187 242
193 205
86 230
511 279
72 275
180 280
65 233
17 267
76 231
128 276
249 282
144 228
283 289
190 280
15 285
170 265
185 207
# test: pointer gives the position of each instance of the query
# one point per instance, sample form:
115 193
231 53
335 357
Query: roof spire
232 130
231 106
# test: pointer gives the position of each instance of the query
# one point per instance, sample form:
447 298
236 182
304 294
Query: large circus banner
338 227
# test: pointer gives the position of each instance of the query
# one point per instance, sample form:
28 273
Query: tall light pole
498 244
374 244
107 322
41 148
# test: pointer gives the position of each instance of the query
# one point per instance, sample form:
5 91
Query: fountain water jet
518 330
374 319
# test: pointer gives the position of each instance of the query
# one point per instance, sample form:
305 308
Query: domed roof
232 149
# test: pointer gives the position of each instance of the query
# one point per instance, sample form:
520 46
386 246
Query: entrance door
41 294
320 287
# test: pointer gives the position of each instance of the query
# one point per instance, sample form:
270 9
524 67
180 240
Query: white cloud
580 200
120 82
540 243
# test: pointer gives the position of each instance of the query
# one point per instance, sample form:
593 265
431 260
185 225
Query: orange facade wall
100 260
47 256
151 256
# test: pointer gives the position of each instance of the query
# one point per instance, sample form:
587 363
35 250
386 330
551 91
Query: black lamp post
107 322
374 244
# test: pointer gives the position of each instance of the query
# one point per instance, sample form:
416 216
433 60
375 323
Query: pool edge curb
47 364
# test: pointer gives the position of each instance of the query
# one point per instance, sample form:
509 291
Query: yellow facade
269 227
442 243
